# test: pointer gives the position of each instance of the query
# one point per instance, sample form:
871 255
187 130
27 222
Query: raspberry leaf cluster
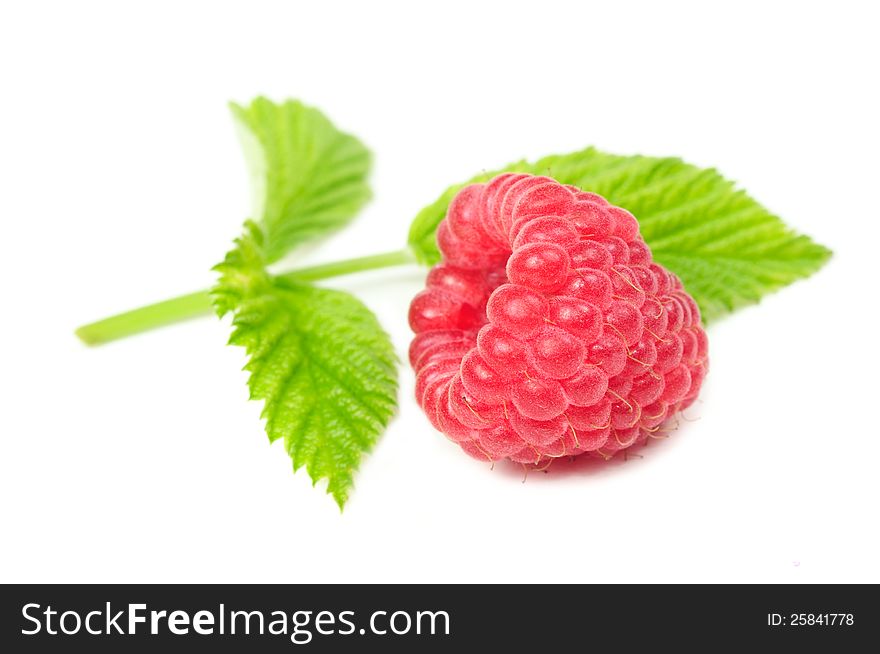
318 359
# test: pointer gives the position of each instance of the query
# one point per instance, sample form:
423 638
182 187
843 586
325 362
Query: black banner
169 618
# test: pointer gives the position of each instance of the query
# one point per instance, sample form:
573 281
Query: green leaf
318 358
728 250
309 178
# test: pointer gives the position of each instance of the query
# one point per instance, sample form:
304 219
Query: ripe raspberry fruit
547 330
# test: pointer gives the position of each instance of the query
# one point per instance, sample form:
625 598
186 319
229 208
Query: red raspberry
547 330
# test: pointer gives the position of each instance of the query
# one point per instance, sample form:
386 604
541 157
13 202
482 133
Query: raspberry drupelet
547 330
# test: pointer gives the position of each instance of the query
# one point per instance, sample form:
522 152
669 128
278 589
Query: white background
121 182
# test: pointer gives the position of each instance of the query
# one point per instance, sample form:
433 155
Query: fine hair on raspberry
547 330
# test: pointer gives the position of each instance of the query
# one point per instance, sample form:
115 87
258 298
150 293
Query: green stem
146 318
194 305
348 266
